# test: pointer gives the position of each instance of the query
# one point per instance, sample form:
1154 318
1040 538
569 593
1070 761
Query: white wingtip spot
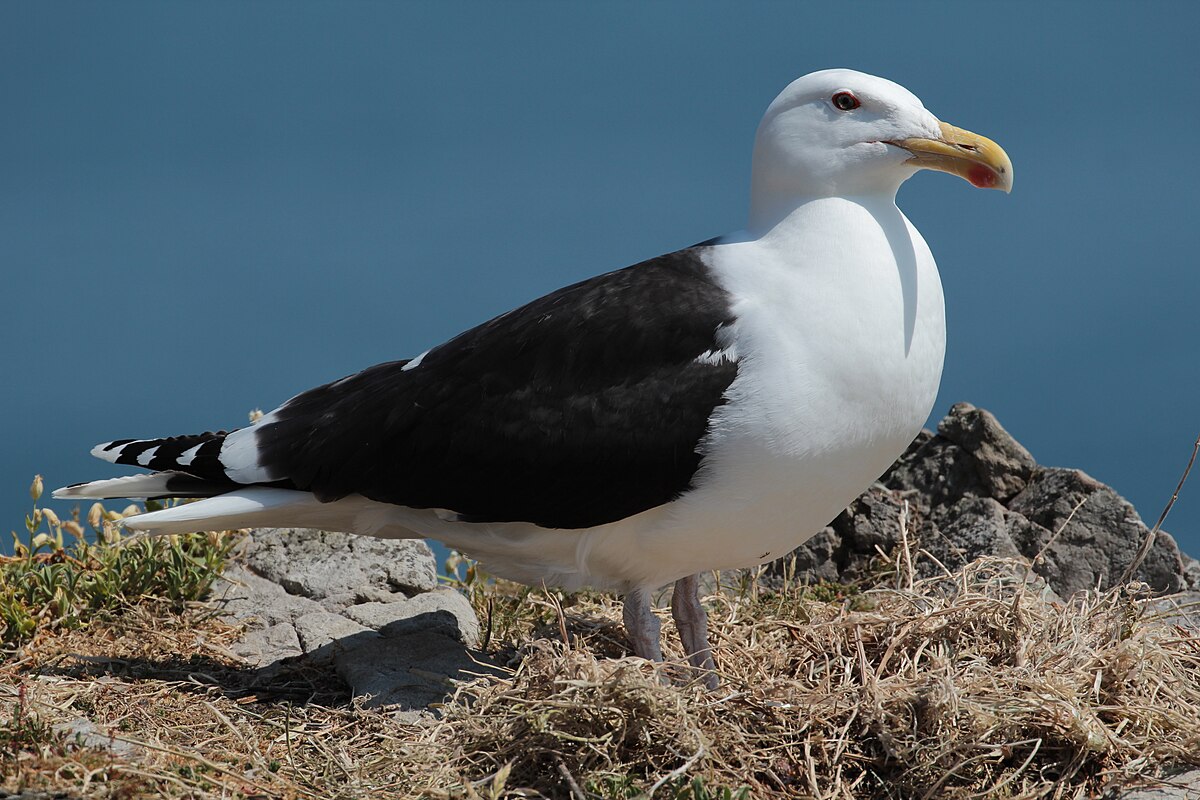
101 451
189 455
416 362
146 456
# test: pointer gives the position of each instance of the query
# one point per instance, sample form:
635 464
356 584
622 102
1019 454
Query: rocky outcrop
972 490
368 608
341 568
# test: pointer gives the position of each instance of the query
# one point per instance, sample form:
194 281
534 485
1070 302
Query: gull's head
841 132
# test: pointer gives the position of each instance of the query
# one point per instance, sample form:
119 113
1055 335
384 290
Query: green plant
24 731
61 577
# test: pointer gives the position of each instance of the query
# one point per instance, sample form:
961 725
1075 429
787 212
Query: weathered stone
814 561
257 601
319 628
339 600
971 454
1184 786
872 522
370 594
934 471
322 564
1002 466
83 732
410 671
973 527
1191 572
1092 534
263 646
849 547
444 611
1181 609
872 526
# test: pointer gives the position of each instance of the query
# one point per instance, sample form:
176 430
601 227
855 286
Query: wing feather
583 407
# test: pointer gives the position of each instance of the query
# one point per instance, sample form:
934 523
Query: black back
583 407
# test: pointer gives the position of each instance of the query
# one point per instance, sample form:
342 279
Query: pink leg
641 626
692 622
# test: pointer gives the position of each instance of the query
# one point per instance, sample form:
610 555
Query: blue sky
205 208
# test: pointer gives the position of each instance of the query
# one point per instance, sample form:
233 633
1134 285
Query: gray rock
1181 609
1184 786
934 471
248 598
370 594
815 561
872 522
262 646
1002 466
1091 545
1191 573
322 564
971 455
268 612
845 550
444 611
85 733
411 671
343 602
972 527
320 628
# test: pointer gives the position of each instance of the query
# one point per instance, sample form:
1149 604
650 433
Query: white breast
840 336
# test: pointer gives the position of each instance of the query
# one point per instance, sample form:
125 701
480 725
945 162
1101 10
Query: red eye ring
844 101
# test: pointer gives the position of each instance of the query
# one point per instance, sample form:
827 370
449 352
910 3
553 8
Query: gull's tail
222 470
189 467
198 454
155 486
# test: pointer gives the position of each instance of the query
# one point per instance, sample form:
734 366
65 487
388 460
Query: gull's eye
844 101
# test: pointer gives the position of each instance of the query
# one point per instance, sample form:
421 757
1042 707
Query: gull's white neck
774 215
784 179
772 204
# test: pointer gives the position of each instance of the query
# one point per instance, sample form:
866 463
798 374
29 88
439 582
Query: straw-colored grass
975 684
969 685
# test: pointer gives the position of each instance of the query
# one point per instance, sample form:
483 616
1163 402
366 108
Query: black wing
583 407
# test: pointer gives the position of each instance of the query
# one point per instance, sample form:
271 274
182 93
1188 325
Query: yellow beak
968 155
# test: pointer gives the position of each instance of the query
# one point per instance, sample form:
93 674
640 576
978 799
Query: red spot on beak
981 177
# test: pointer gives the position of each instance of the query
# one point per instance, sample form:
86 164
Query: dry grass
178 717
974 684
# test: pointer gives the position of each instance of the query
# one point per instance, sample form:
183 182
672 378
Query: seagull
711 408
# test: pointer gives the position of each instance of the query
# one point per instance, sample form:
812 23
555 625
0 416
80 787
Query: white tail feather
252 507
137 486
